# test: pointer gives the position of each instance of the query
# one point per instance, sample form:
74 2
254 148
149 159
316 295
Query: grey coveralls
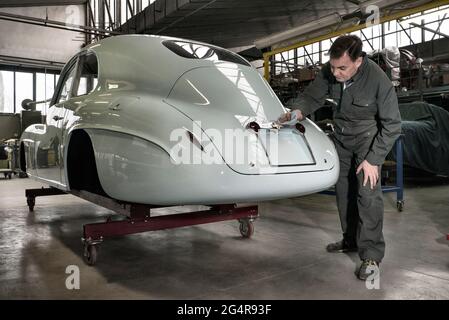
367 123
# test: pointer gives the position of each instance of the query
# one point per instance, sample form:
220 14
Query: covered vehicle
166 121
425 137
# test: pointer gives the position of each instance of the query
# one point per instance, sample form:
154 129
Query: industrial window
398 33
26 83
24 88
7 91
116 12
124 12
200 51
45 86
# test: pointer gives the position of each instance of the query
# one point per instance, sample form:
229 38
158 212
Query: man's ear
358 61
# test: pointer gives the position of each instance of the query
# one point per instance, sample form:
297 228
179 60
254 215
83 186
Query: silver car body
144 93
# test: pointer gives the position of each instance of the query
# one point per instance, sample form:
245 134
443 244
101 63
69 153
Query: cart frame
138 218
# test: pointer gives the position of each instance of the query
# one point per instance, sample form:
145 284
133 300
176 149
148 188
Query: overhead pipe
56 24
28 62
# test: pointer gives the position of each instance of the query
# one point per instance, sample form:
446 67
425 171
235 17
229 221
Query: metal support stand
31 195
138 218
399 187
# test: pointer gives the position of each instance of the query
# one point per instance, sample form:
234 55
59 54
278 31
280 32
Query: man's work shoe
341 246
368 267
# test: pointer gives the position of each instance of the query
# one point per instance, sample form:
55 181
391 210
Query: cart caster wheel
246 228
10 176
90 254
31 202
400 205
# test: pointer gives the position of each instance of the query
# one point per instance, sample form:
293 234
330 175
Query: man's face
344 68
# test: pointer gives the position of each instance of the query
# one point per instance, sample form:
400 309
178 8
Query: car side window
87 75
64 93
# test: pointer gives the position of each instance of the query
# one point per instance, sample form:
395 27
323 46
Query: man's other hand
370 173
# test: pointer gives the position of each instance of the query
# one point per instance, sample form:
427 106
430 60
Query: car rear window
193 50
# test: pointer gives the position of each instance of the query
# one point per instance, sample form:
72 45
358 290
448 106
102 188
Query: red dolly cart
138 218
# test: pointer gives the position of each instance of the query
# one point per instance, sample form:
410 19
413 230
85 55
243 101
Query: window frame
69 67
77 78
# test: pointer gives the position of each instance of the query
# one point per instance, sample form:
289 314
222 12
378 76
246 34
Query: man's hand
370 173
286 117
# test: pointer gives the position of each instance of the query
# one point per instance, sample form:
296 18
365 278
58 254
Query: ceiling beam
35 3
55 24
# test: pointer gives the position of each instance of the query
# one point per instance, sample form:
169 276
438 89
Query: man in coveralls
367 123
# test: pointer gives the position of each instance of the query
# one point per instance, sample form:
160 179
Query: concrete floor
285 259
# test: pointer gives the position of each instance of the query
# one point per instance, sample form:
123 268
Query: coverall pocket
364 108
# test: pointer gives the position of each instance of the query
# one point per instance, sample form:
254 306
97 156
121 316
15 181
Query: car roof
143 62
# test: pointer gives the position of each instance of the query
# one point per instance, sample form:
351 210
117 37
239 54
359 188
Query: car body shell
146 97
